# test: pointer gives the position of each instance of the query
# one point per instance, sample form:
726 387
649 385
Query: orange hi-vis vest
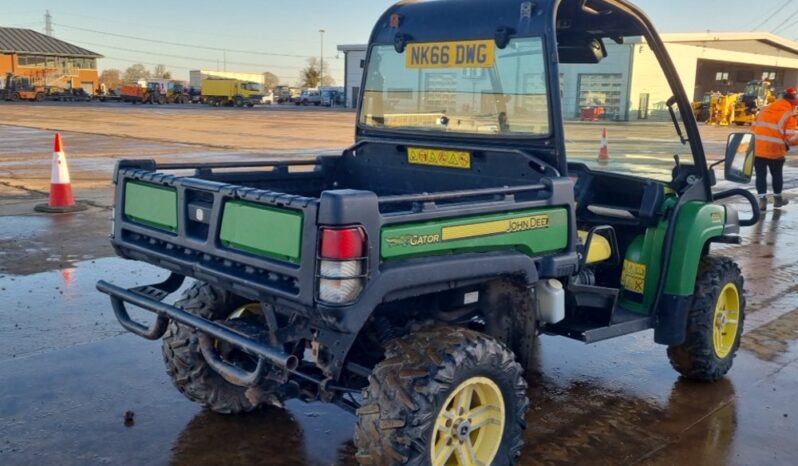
776 129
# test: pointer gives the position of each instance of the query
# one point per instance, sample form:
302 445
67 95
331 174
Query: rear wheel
715 322
187 367
39 97
443 396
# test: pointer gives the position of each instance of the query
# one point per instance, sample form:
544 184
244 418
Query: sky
279 35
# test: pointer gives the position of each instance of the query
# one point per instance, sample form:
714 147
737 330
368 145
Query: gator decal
533 232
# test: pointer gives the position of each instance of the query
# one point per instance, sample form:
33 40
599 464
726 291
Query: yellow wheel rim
246 309
470 425
726 321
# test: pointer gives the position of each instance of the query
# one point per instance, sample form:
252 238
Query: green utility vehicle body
464 220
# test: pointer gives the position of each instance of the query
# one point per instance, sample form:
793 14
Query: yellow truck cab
226 92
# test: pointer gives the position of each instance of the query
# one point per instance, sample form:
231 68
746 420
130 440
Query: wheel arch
428 275
420 278
697 225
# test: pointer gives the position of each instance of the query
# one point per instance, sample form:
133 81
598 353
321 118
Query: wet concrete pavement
69 375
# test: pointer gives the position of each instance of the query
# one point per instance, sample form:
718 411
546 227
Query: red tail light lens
342 264
343 243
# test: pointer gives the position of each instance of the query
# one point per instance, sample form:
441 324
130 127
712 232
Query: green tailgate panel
262 230
151 204
534 232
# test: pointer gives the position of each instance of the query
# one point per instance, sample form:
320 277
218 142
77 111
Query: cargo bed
252 227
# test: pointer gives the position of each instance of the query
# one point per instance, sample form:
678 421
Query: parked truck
218 92
407 278
143 92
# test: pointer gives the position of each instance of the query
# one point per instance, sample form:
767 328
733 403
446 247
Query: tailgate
251 241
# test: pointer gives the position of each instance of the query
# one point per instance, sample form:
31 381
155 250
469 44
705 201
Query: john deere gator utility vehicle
406 279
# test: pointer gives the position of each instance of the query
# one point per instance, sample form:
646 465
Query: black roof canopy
28 41
436 20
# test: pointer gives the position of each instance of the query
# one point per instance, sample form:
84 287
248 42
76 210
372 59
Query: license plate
439 157
462 54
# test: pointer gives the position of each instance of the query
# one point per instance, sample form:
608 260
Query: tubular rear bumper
149 298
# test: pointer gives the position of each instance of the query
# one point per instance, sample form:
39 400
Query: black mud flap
671 322
149 298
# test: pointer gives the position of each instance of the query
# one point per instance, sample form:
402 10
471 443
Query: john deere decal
471 230
532 232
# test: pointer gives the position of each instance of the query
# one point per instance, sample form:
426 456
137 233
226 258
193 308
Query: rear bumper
149 298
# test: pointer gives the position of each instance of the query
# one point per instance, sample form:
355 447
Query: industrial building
623 85
195 77
46 60
354 61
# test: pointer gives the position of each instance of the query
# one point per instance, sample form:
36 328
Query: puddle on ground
774 339
60 308
37 243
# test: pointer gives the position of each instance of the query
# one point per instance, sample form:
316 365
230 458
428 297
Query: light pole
321 59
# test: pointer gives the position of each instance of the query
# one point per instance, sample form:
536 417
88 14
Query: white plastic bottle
551 301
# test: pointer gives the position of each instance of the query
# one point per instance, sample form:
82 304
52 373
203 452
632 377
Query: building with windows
46 60
625 86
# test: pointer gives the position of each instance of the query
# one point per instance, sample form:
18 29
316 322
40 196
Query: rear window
460 87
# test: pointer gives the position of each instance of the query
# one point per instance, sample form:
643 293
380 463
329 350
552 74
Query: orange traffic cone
604 151
61 197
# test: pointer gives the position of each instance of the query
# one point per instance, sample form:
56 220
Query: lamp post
321 59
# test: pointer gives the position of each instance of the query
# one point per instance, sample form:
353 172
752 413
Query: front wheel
443 396
714 323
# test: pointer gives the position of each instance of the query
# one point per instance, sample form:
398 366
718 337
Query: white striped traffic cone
61 197
604 150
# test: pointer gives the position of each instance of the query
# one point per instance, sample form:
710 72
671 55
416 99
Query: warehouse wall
353 74
615 68
649 83
6 66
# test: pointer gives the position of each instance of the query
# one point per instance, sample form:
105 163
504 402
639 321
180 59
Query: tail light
342 264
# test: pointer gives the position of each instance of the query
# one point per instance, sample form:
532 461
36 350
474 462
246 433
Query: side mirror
740 153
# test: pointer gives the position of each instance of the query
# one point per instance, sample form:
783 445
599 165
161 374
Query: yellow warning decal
459 54
716 217
439 157
633 277
512 225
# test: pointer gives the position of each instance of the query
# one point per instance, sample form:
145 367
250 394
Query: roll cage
574 24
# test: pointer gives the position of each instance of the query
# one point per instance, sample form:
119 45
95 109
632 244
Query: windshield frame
466 136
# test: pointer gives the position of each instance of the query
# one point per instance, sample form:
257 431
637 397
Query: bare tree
309 76
160 72
270 80
135 72
111 78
